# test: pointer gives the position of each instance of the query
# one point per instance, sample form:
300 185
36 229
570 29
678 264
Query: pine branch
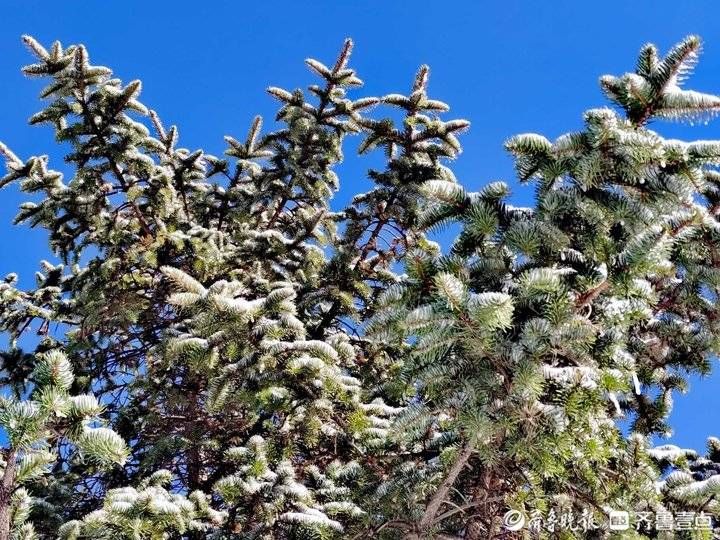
7 486
429 517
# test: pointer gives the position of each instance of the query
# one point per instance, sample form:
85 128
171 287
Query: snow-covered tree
283 369
690 483
542 326
39 429
212 303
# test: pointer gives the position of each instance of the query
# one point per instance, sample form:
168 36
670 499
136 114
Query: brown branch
6 490
467 506
587 297
430 515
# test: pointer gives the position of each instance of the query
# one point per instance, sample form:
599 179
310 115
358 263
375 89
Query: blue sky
509 67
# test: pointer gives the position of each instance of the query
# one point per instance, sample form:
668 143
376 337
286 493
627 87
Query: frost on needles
224 354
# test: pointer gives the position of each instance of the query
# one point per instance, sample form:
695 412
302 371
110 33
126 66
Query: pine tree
543 326
282 369
197 317
690 483
50 419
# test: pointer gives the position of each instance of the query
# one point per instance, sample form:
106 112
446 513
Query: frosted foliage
224 352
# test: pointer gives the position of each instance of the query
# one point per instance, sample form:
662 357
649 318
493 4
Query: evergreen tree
543 326
200 318
690 483
50 422
280 369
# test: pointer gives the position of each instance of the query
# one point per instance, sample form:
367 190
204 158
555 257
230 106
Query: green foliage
37 426
149 511
284 370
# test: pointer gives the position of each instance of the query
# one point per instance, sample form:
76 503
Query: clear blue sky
509 67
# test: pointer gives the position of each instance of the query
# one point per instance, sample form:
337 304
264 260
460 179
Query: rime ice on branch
280 369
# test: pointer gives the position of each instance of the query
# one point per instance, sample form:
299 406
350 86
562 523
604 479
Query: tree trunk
6 490
428 518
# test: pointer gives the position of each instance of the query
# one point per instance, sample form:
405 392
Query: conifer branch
433 506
